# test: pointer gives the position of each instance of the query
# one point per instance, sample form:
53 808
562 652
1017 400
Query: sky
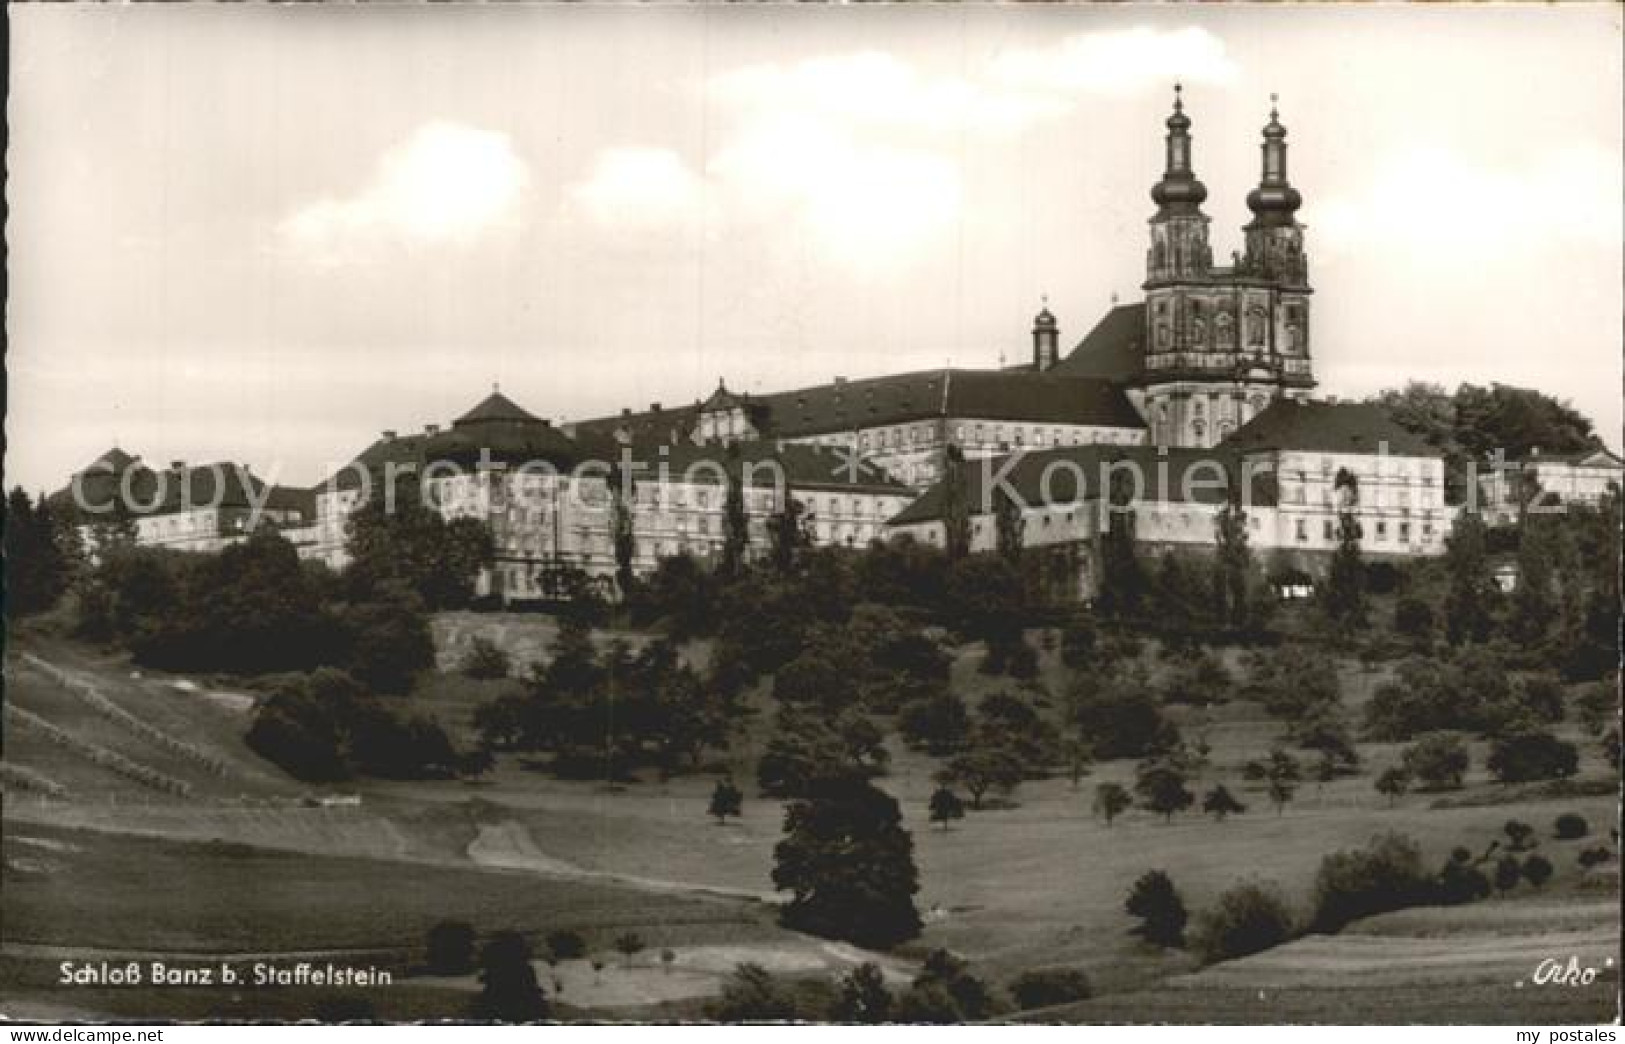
267 233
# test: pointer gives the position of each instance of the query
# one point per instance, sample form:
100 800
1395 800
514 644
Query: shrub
753 995
1530 756
1570 826
1248 918
1439 761
486 660
1385 875
1044 987
1537 870
1508 872
1460 881
1594 857
566 945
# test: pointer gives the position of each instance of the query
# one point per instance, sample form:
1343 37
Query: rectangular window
1326 529
1405 531
1302 530
1382 531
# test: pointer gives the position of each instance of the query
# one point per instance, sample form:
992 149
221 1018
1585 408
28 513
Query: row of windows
1328 531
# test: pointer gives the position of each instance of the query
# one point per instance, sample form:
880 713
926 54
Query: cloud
1117 61
638 186
1426 201
862 150
445 184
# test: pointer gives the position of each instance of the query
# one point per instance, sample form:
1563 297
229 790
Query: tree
1282 772
396 540
35 565
623 529
849 866
1413 618
1570 826
946 806
1122 580
955 504
1161 910
1508 872
726 800
509 991
1439 761
1532 755
566 945
937 724
449 948
735 523
1235 561
1219 802
629 945
1345 581
1537 870
1162 788
1120 717
1534 599
790 531
985 767
1010 526
864 998
1111 801
1393 783
1520 835
1471 597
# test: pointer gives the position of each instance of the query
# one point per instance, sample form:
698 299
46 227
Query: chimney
431 429
389 434
1534 451
654 407
626 411
547 422
177 465
839 381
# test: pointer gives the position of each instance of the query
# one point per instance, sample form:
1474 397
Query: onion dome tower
1274 237
1179 243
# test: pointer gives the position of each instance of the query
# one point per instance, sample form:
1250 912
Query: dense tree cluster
325 727
610 712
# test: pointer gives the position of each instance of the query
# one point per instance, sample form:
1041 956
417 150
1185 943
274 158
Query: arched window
1224 329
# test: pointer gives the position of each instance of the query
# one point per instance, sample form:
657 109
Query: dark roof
1112 350
1172 475
845 405
804 466
297 499
221 484
1328 427
494 407
721 399
390 449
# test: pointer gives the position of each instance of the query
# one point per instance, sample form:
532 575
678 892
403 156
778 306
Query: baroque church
1208 349
1214 364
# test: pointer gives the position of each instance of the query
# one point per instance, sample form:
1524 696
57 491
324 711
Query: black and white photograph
842 514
